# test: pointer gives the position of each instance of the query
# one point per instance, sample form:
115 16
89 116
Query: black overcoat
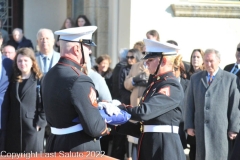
24 116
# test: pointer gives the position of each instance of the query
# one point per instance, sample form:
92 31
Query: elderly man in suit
234 67
9 51
5 75
212 113
46 57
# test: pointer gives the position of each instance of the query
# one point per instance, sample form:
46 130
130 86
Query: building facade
121 23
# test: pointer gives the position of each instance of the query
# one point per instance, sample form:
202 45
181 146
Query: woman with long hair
82 20
196 65
196 62
26 123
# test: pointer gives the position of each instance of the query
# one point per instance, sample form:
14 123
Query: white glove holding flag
109 107
116 102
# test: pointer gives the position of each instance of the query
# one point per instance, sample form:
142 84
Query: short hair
136 54
172 42
87 22
139 45
35 69
208 51
17 29
103 57
154 33
45 29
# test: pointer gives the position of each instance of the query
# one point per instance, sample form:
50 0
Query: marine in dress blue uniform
159 109
69 94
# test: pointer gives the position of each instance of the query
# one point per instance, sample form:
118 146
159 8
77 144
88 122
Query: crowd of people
173 104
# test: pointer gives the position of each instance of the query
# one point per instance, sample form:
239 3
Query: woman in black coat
133 56
26 121
196 65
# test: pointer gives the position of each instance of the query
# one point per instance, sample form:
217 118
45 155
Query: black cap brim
92 44
89 43
152 55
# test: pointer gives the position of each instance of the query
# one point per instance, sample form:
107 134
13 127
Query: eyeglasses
130 57
238 49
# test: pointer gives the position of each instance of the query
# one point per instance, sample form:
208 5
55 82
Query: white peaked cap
156 48
77 33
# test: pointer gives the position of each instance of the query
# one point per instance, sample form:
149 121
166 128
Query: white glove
110 108
116 102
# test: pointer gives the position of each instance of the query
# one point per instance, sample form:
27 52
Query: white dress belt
160 128
62 131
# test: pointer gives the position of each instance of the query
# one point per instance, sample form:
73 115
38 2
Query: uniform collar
69 61
163 76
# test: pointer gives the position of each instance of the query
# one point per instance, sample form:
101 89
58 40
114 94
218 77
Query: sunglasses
130 57
238 49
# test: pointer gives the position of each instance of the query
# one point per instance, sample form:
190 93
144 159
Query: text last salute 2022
86 154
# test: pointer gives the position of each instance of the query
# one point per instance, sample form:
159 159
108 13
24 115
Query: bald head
9 51
67 47
17 34
73 51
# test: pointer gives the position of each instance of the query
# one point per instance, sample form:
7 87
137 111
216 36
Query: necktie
210 80
45 63
235 70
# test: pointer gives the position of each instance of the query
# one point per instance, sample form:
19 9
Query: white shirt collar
237 65
48 56
214 73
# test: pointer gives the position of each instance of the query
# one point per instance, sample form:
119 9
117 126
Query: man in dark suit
234 67
19 40
5 75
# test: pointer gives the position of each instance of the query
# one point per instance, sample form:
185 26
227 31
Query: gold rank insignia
142 98
141 127
158 78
